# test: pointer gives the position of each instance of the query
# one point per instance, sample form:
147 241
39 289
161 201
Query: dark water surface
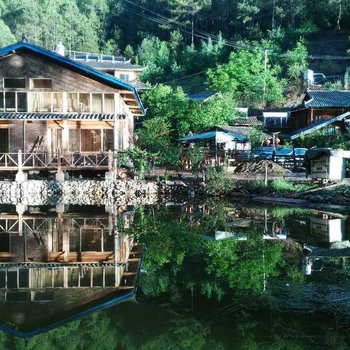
212 275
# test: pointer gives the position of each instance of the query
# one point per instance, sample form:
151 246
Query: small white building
325 163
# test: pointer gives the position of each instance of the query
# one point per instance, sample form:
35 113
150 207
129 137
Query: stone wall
82 192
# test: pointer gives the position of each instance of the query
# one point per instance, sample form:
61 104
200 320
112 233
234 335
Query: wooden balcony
55 161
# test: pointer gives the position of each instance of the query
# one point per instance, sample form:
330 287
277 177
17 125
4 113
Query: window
42 296
10 101
41 83
2 106
124 77
84 103
108 142
13 101
57 102
41 102
91 240
21 102
14 83
109 104
74 140
90 140
56 140
96 106
45 102
72 102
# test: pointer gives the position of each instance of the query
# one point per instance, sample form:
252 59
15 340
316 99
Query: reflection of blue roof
89 309
219 135
83 69
319 125
109 303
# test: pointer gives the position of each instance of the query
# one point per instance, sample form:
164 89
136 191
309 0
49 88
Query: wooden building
56 267
317 106
60 113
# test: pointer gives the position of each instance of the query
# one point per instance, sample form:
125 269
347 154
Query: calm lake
213 275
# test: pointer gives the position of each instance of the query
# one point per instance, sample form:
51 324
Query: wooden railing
221 157
41 161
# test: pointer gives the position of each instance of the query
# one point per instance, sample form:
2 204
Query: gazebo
217 144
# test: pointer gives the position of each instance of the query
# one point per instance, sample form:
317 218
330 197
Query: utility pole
265 72
192 29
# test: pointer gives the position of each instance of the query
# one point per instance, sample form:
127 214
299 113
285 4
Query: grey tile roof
58 116
327 99
242 130
250 121
202 96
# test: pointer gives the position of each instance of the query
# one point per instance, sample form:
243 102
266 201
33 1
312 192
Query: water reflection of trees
187 274
180 258
148 327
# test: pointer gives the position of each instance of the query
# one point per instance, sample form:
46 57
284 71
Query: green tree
246 77
185 10
155 134
296 61
179 115
6 37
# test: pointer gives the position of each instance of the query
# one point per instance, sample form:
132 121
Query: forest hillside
255 49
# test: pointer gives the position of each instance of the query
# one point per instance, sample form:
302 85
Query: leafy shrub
217 183
281 185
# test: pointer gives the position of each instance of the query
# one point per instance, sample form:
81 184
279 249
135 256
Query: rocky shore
93 192
82 192
136 192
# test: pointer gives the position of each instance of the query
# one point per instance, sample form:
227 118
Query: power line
182 27
183 78
162 20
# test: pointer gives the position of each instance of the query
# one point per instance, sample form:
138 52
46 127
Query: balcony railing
41 161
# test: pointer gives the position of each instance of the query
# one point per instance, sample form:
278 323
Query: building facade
53 107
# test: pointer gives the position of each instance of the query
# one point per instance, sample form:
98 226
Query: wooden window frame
14 88
32 87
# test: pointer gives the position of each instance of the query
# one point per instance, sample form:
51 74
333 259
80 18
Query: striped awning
59 116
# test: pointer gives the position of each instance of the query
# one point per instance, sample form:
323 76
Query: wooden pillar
117 112
110 160
20 176
116 252
65 138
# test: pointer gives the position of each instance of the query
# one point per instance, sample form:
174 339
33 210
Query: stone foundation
82 192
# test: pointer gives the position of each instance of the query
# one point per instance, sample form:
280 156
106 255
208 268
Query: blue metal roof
319 125
219 135
82 68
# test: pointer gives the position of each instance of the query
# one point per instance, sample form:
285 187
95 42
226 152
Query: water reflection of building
57 266
320 230
325 239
